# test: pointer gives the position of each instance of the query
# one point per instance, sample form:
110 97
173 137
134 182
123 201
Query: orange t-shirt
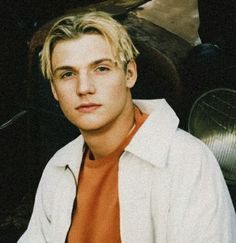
96 214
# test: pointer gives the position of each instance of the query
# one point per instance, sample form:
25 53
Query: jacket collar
152 141
70 155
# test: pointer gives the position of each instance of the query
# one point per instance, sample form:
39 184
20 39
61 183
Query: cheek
65 100
115 96
115 86
64 93
65 103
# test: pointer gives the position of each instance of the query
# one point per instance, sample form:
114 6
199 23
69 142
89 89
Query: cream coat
171 189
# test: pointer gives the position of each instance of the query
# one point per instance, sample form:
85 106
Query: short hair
74 26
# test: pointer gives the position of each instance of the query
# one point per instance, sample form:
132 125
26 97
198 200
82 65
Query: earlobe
53 91
131 74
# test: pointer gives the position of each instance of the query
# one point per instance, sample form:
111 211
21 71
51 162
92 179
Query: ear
54 92
131 74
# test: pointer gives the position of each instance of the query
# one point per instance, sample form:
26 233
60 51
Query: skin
93 91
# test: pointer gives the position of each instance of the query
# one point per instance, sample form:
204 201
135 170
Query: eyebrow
102 60
61 68
96 62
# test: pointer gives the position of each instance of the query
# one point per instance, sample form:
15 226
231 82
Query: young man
132 176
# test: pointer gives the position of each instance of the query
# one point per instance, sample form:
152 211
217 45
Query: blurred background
188 56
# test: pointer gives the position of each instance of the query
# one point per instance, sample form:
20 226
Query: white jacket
171 189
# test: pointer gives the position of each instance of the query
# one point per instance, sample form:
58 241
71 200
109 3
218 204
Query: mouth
86 108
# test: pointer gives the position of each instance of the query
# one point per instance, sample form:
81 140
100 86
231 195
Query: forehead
81 51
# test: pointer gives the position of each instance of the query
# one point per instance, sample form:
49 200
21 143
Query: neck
104 141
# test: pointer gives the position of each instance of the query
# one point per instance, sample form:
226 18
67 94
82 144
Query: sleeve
39 225
201 208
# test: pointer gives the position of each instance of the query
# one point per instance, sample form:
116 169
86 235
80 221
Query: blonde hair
74 26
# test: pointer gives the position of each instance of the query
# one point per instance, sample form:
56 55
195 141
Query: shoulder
55 171
67 151
66 154
191 159
187 145
183 138
57 164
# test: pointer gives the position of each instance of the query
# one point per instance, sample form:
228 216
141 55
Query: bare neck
104 141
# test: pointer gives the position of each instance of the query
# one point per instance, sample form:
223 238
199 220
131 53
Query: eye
67 75
102 69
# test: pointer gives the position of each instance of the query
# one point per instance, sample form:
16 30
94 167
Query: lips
86 108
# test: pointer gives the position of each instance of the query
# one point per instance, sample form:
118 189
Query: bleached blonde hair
74 26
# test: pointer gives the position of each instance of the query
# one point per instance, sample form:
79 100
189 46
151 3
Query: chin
94 126
89 126
94 122
90 129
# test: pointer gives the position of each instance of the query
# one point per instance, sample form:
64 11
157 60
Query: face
93 90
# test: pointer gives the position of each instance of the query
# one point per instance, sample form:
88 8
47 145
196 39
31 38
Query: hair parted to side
74 26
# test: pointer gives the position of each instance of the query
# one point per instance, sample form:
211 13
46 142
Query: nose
85 85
